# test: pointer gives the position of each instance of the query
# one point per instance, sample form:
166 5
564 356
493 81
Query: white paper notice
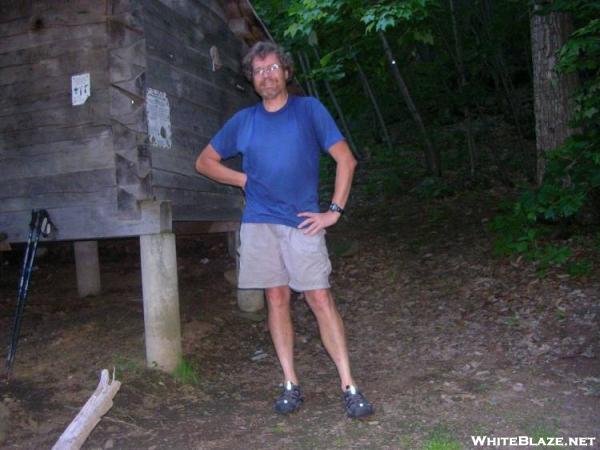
159 118
81 88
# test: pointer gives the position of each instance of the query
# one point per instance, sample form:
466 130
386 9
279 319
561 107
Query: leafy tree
571 178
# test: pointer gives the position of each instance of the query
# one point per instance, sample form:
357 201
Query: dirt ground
446 340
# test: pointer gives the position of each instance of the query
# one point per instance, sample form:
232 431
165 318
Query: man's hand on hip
315 222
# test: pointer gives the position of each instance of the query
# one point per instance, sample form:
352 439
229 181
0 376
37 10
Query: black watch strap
336 208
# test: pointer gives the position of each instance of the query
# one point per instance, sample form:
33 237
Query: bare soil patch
446 340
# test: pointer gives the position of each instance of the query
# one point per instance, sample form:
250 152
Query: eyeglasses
263 70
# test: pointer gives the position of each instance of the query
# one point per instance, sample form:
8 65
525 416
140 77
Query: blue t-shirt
281 152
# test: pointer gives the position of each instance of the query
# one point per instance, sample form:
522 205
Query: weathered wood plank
131 16
164 179
11 10
50 101
182 160
197 62
25 138
117 7
52 50
205 211
70 159
172 162
94 111
183 228
92 222
27 91
80 182
195 105
66 64
127 109
157 14
125 139
229 51
87 6
97 137
121 35
58 199
134 171
14 12
213 26
191 89
31 39
127 67
128 78
192 205
197 8
197 118
189 143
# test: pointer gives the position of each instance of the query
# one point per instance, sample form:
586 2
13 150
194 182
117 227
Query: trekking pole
40 225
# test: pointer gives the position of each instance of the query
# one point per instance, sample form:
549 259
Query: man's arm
345 165
209 164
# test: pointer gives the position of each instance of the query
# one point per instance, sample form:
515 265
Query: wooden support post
248 300
161 301
87 267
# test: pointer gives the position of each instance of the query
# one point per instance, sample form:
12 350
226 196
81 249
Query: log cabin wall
93 166
53 155
194 58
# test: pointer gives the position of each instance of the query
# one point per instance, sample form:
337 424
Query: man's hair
261 50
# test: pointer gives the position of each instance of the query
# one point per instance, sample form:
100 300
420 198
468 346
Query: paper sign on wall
159 118
81 88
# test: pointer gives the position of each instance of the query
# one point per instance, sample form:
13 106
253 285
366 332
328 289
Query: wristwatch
336 208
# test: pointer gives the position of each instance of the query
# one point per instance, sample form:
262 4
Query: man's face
270 82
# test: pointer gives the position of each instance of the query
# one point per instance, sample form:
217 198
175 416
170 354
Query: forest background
441 96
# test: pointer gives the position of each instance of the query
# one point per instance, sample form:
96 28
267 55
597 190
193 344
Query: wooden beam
205 227
95 221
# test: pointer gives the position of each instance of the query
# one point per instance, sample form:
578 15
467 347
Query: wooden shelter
105 105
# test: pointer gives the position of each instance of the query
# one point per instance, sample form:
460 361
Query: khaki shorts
278 255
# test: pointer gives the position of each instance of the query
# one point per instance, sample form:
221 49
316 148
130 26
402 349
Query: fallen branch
91 413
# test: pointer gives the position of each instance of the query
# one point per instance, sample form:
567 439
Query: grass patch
441 439
124 364
186 373
543 431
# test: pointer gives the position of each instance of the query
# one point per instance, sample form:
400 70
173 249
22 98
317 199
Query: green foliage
381 17
572 173
186 373
305 14
388 170
581 268
516 234
433 187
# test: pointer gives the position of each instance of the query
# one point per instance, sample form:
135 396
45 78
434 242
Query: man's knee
319 300
278 297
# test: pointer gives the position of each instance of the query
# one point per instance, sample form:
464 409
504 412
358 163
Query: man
282 234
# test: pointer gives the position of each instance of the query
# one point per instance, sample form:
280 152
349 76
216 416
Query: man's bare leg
282 330
332 331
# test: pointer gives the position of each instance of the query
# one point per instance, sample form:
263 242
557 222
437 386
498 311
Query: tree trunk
307 85
310 83
367 87
340 113
432 157
462 84
553 93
